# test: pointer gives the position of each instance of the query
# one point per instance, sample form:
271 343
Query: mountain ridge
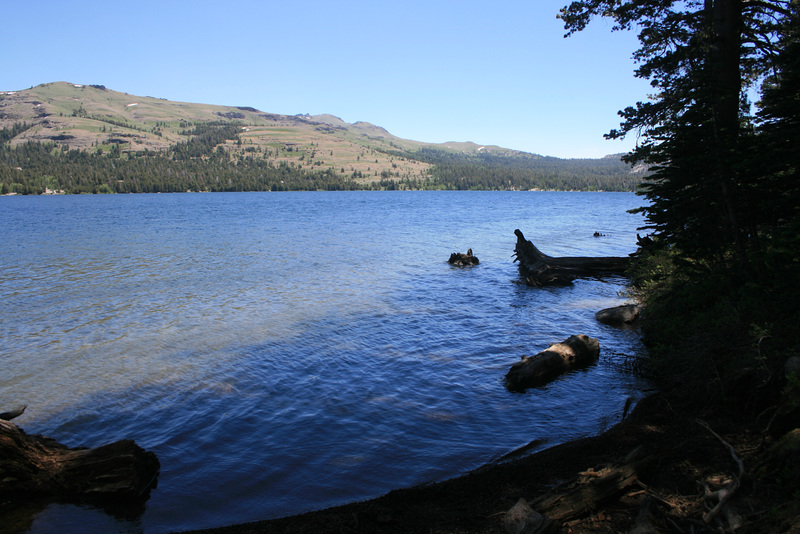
104 122
44 98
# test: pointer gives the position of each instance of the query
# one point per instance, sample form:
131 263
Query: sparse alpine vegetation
64 137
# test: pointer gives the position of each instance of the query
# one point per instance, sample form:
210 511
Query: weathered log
593 490
37 466
461 260
572 353
539 269
618 315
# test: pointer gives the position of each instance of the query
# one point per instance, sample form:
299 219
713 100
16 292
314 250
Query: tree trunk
539 269
726 85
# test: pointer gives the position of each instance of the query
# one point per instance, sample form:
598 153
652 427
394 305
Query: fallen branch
539 269
724 494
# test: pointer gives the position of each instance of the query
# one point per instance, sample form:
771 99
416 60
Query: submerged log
539 269
459 259
37 466
572 353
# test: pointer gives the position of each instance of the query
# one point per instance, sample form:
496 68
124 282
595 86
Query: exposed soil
686 461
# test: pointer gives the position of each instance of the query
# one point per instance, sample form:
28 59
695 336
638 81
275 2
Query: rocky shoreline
688 459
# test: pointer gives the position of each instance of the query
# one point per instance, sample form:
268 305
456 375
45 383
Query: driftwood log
461 260
576 499
39 467
592 490
572 353
539 269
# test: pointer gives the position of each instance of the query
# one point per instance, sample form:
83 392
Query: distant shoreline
63 193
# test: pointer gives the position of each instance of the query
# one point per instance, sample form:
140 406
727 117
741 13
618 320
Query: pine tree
696 133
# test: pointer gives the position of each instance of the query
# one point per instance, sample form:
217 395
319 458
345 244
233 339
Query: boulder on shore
572 353
618 315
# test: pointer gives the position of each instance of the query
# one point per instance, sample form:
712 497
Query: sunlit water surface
283 352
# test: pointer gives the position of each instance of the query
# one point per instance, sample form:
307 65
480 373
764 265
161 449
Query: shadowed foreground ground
686 459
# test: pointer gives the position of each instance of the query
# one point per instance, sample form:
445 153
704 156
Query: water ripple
301 350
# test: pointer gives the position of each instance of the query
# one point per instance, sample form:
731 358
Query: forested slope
62 137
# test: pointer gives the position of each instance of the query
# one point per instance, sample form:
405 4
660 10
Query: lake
284 352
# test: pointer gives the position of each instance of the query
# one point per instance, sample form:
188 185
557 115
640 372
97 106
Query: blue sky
497 73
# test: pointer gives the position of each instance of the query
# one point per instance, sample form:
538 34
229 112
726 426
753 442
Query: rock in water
618 315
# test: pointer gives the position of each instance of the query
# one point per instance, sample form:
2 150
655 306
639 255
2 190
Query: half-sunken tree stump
572 353
539 269
37 466
461 260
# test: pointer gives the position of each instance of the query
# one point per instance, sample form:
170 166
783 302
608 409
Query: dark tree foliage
7 134
205 137
774 190
778 129
487 171
32 167
202 164
710 184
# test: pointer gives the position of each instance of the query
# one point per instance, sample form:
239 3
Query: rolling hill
97 121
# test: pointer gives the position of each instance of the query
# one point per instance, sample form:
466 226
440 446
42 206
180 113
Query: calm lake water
283 352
